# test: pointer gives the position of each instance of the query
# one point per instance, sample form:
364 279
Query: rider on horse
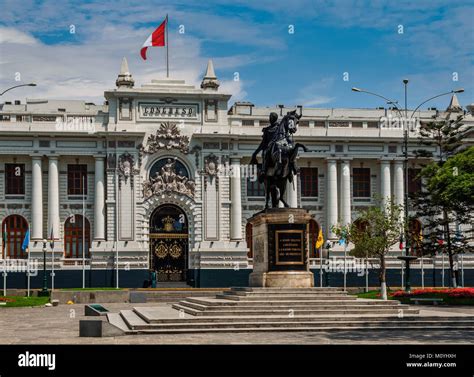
273 140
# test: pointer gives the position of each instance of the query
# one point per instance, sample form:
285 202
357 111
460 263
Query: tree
374 232
442 201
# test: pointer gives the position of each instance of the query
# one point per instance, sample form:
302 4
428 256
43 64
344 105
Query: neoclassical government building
157 178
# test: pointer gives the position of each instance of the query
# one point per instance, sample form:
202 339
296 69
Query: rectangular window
372 124
247 122
14 179
361 182
309 182
414 183
77 179
255 188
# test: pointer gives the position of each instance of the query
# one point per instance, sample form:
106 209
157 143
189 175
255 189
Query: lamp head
460 90
31 84
405 81
356 90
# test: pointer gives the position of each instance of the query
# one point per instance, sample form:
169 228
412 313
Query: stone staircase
279 309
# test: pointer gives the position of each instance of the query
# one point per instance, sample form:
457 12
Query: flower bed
433 292
6 299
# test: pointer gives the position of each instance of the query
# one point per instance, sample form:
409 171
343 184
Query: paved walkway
60 325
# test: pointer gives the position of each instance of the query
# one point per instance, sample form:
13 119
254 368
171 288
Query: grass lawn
447 300
18 301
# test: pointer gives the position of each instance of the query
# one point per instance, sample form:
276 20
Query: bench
434 301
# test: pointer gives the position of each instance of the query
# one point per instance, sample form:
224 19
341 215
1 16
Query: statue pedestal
281 249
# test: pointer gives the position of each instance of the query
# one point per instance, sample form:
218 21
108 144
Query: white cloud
14 36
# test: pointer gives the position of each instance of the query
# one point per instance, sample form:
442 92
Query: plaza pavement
60 325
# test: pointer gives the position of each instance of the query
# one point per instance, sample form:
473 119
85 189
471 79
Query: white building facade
157 180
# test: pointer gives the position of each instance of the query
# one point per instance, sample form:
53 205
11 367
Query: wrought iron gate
168 257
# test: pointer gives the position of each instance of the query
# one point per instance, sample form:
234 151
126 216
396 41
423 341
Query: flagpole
83 235
345 272
4 279
52 260
367 272
116 229
4 260
28 266
320 267
167 50
422 274
442 271
401 269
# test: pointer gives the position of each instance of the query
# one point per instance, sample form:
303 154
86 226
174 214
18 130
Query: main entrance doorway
169 243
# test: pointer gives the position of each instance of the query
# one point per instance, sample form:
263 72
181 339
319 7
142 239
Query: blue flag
26 240
342 240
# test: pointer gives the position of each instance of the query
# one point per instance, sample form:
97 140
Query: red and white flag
156 39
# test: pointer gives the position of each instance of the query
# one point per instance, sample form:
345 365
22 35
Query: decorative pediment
168 181
167 137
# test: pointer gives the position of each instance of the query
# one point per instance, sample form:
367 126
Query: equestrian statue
279 154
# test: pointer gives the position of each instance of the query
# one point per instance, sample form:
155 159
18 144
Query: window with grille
14 179
77 179
361 182
76 234
309 182
14 229
247 122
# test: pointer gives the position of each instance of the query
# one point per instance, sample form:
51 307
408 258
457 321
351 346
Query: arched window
313 237
248 239
74 235
14 228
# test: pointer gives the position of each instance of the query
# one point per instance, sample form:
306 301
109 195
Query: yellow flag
320 240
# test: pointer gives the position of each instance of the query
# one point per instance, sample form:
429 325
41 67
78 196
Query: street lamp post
44 291
407 258
17 86
328 248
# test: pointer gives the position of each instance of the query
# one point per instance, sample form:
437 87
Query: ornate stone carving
211 170
167 137
126 164
211 165
167 181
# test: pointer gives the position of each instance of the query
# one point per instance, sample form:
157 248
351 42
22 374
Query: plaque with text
289 247
166 111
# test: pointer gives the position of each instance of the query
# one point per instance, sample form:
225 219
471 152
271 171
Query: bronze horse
279 157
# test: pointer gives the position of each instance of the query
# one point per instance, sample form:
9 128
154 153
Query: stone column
236 201
385 181
399 185
53 197
331 202
292 192
346 192
99 199
36 199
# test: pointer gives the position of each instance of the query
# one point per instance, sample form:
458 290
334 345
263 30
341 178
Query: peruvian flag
400 245
156 39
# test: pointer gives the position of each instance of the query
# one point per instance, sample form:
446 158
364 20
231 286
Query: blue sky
331 39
